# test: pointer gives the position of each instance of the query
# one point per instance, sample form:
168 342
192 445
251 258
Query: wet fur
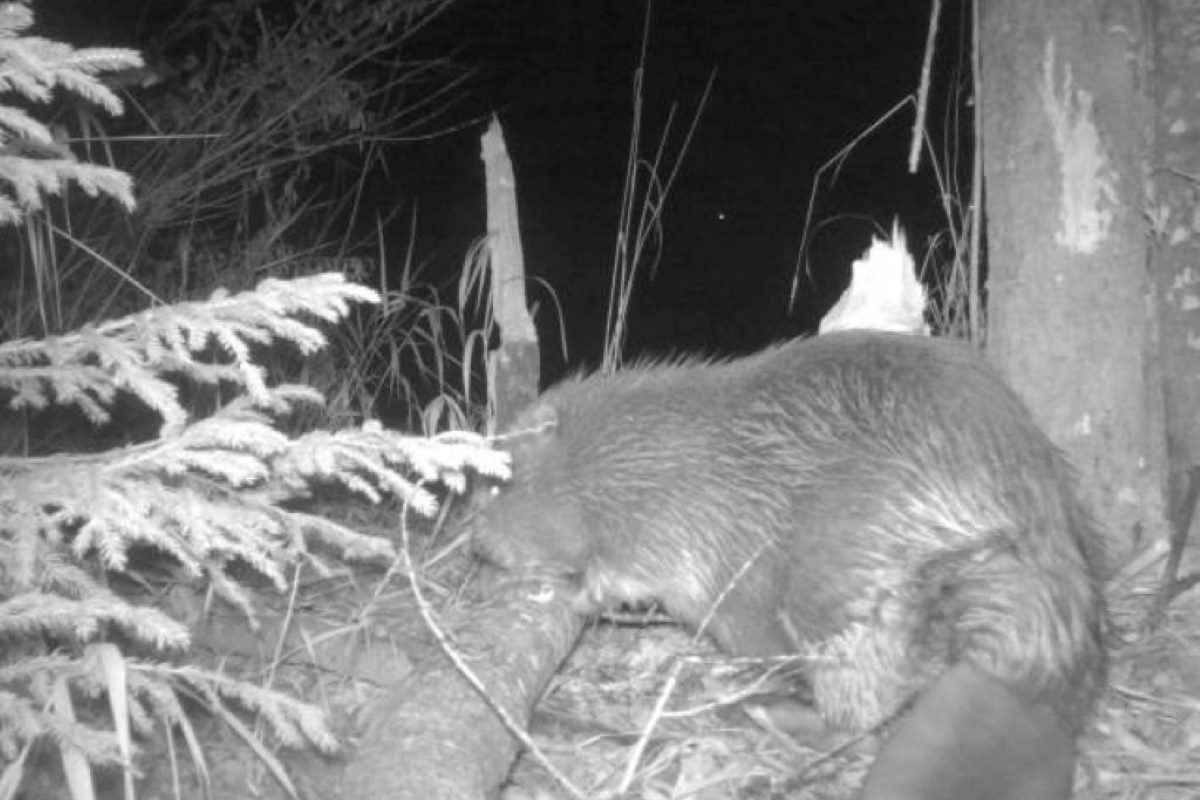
881 503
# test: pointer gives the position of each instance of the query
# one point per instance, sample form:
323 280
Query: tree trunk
1174 191
1065 129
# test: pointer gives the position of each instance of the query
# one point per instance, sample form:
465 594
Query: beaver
881 504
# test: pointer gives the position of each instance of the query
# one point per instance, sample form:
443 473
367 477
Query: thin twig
639 749
914 151
974 287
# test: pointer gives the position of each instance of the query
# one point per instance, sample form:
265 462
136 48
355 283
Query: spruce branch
372 461
294 722
210 494
34 67
32 164
155 696
28 715
207 493
30 179
88 367
19 123
75 70
42 613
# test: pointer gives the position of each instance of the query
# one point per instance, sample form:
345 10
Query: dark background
795 82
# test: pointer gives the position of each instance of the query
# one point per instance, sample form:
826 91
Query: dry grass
1142 742
646 189
1145 739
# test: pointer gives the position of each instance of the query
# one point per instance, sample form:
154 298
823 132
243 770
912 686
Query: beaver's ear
969 735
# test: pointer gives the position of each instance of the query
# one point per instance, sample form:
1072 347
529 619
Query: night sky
795 82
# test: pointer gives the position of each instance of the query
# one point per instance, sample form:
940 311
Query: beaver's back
882 502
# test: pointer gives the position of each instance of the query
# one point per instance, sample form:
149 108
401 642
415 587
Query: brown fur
881 503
